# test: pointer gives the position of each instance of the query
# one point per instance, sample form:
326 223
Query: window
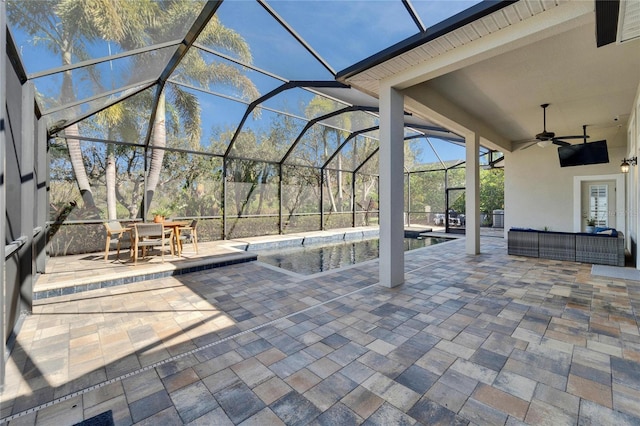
598 204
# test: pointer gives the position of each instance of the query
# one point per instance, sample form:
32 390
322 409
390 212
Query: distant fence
89 236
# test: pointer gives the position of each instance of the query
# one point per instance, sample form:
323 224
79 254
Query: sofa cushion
606 231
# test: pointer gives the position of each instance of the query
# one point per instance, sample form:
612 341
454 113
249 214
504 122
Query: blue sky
343 32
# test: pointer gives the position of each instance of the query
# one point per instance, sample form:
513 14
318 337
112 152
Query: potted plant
591 225
160 214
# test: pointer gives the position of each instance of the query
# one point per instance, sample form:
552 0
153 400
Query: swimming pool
308 260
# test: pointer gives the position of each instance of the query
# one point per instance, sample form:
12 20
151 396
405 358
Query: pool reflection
309 260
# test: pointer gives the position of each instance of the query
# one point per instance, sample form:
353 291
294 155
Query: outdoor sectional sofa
577 247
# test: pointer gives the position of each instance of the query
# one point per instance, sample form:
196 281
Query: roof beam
238 62
295 35
324 117
57 127
607 13
366 160
414 15
103 59
124 89
351 136
207 13
448 25
14 58
286 86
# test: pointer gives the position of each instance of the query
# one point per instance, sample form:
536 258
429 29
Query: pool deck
489 339
73 274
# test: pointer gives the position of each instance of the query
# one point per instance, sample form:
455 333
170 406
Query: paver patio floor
488 339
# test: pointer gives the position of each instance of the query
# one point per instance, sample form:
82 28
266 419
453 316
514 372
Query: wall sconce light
626 162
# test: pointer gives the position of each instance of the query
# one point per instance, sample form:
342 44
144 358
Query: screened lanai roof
248 64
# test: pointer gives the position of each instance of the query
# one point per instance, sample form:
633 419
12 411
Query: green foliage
428 190
77 238
252 226
302 224
161 211
334 221
491 190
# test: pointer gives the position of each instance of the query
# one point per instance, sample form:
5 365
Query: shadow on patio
487 339
73 274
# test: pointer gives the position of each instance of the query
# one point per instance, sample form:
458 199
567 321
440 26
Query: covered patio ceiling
548 53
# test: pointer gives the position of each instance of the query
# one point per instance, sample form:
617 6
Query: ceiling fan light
543 144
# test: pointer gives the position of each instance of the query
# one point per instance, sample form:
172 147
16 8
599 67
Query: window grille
598 204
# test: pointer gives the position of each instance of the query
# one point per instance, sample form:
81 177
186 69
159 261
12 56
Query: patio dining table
176 225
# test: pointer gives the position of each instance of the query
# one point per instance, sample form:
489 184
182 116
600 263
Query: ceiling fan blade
520 145
573 137
547 137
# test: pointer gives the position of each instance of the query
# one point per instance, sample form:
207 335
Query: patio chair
151 235
116 234
189 234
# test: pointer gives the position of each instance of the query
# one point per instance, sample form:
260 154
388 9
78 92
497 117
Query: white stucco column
391 187
472 195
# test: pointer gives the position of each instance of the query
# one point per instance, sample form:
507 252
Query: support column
391 187
472 193
27 193
4 304
224 198
280 204
42 197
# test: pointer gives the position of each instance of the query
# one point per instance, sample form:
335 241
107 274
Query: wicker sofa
577 247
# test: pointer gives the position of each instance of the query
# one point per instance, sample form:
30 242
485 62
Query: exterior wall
14 302
633 195
538 192
3 219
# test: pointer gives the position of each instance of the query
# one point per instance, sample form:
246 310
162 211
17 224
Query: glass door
455 213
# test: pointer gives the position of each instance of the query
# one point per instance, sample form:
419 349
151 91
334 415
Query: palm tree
194 69
69 25
40 20
65 28
168 21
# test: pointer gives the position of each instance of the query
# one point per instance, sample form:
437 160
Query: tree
491 190
194 69
68 40
71 25
122 121
323 141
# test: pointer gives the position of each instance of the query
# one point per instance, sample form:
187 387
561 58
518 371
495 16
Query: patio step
160 270
415 232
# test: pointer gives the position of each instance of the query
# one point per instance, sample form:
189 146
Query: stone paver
491 339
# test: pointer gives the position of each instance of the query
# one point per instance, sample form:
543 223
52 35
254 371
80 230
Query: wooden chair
116 234
150 235
189 234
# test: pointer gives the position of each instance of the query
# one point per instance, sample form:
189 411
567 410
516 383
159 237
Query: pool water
309 260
